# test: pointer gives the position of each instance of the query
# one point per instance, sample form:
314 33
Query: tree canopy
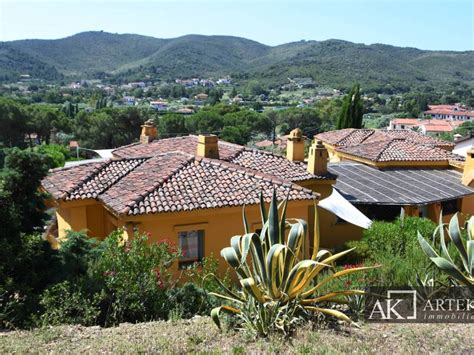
352 110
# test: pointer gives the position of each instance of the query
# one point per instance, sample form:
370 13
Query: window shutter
201 243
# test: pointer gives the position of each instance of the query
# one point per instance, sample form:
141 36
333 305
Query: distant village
195 93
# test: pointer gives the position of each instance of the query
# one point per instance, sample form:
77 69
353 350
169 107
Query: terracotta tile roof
209 183
144 179
63 180
168 182
102 179
347 136
186 144
352 136
449 110
406 121
275 165
384 150
418 138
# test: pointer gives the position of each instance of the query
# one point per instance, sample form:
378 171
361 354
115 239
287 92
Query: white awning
104 153
342 208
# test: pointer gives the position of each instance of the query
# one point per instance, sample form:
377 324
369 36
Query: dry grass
200 335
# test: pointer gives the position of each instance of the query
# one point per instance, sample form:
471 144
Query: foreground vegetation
200 335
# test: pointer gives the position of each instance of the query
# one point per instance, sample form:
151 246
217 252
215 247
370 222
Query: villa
191 189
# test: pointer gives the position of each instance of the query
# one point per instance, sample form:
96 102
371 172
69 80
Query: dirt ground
201 336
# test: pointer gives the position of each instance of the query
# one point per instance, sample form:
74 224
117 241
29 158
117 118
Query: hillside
332 62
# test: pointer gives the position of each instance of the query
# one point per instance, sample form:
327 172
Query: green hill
333 62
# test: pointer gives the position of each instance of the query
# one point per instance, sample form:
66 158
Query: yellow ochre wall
219 224
333 232
89 215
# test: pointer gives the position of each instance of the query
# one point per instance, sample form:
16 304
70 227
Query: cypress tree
351 111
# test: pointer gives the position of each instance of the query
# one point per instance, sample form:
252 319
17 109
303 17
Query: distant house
424 126
201 97
299 83
449 112
128 100
159 105
74 85
280 143
138 84
224 81
462 145
185 111
403 123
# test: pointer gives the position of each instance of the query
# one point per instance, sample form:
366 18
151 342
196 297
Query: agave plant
463 271
281 284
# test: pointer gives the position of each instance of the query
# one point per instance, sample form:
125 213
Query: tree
23 203
215 96
27 262
352 110
171 125
307 119
12 124
109 127
44 119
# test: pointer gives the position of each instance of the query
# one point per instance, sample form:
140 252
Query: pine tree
351 111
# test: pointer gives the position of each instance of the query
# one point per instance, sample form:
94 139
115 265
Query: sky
425 24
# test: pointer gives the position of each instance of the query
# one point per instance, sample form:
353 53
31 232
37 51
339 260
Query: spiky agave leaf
215 313
445 262
276 280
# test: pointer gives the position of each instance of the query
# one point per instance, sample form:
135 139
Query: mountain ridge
333 62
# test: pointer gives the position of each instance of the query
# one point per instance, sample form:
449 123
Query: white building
463 145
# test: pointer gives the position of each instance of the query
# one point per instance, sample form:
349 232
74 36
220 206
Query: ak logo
399 305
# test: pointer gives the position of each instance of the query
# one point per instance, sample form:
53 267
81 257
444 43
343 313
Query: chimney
295 146
149 132
318 159
208 146
468 173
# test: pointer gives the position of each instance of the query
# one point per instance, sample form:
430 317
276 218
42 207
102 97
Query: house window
191 244
449 207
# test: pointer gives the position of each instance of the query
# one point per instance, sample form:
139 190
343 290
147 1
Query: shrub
76 252
133 276
32 268
394 238
393 246
279 287
64 303
57 153
201 274
190 300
